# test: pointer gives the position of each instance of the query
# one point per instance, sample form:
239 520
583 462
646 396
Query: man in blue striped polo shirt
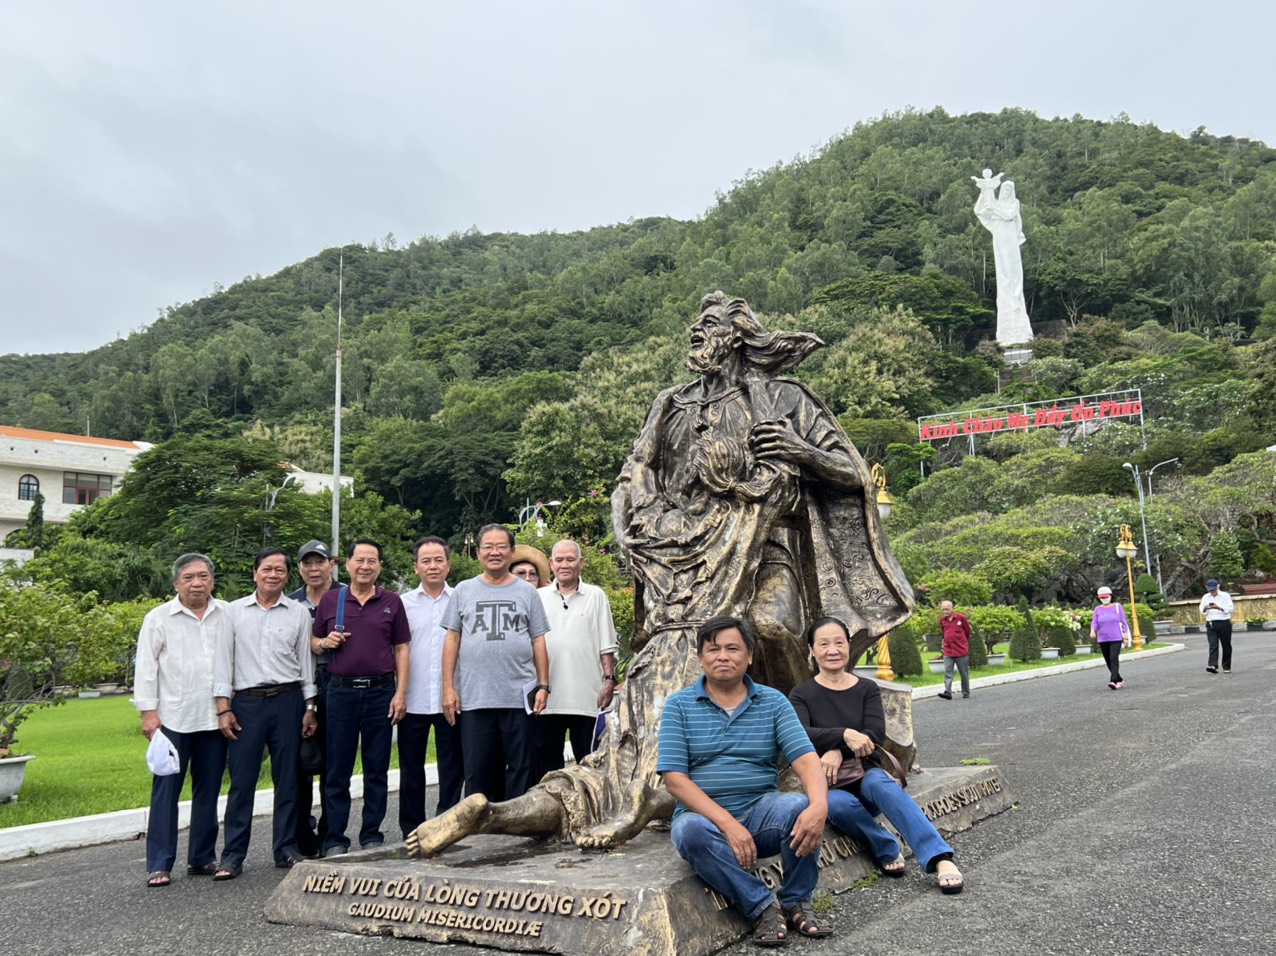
720 743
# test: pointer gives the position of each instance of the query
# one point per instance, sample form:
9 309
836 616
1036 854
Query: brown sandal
770 928
802 920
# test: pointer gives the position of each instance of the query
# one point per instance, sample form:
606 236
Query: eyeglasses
493 548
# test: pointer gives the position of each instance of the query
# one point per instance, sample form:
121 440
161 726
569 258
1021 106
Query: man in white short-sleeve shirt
582 660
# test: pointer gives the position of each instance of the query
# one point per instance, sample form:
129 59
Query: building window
81 489
28 487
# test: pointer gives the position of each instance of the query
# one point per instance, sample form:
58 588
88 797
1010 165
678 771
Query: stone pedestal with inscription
529 896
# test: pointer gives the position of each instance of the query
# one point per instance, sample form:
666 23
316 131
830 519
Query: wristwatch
313 708
610 677
544 687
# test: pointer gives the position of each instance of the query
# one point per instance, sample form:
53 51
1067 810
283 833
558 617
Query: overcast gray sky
152 148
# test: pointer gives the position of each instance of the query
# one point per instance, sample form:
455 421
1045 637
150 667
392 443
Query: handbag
852 769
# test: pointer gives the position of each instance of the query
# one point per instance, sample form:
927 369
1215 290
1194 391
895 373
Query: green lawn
91 758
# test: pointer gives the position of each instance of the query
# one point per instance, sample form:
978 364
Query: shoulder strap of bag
340 623
895 769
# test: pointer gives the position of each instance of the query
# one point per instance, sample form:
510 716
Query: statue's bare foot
645 804
434 836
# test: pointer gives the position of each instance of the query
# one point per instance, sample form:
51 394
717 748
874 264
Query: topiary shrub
1147 592
906 659
978 649
1025 645
1061 637
1147 622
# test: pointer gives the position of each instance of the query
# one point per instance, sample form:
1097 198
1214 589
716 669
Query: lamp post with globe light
1127 549
884 505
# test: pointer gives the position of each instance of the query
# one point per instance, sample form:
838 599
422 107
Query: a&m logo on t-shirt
493 619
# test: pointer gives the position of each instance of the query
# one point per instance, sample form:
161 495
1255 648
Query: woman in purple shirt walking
1110 629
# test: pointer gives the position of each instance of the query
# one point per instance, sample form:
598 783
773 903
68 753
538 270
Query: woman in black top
844 718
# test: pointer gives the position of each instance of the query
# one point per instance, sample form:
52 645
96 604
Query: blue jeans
770 821
204 752
879 793
355 715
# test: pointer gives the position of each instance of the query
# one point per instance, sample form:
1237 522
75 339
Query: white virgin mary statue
998 210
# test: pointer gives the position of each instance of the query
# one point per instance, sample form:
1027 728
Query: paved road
1143 825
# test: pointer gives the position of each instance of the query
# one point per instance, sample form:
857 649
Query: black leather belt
270 690
360 683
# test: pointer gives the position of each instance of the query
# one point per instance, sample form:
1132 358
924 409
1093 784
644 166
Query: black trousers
268 723
414 741
499 752
1112 657
1220 632
552 732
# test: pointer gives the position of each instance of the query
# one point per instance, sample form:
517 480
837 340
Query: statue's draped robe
1001 216
702 523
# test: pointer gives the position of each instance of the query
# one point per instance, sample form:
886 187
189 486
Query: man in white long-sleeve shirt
173 690
1216 608
267 666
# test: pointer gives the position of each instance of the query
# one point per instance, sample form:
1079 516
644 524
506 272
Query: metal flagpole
336 423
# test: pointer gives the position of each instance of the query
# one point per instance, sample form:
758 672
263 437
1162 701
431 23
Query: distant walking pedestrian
1216 608
1110 628
956 628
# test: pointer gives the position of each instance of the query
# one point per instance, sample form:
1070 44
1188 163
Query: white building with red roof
71 471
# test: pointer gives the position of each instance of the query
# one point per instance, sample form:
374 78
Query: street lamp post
531 511
1143 520
1160 585
1127 549
884 505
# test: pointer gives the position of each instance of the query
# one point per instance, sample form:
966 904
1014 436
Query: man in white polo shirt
582 660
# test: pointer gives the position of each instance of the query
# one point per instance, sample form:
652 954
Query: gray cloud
151 149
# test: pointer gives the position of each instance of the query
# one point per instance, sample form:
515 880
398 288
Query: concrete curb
35 838
933 690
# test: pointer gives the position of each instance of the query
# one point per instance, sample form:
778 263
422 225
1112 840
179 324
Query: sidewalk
1094 660
37 838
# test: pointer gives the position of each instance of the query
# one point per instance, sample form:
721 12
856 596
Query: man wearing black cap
316 565
1216 608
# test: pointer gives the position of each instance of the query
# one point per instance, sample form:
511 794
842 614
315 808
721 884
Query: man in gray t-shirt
495 647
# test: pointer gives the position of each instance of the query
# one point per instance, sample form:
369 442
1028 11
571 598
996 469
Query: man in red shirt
956 630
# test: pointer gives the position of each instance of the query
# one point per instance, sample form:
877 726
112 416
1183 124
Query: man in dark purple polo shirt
367 691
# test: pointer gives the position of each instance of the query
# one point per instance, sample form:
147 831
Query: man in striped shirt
719 748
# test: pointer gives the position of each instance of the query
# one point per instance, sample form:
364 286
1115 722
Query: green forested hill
480 369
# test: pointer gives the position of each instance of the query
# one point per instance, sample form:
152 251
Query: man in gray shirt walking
495 649
266 664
